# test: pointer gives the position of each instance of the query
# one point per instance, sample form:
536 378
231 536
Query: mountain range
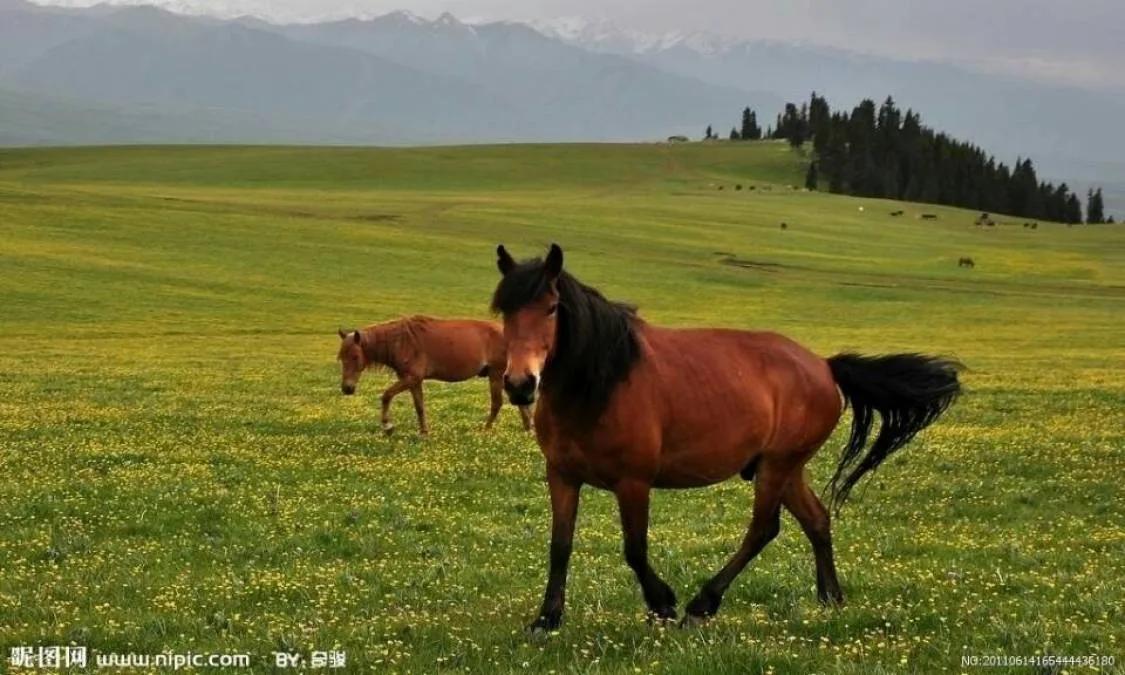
112 74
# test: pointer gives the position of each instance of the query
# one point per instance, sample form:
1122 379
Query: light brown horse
422 348
626 407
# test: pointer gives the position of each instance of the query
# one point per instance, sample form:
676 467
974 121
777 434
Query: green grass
180 472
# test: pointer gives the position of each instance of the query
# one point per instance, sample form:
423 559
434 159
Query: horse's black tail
909 391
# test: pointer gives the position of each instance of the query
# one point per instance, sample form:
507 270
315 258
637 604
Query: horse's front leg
564 511
633 501
388 396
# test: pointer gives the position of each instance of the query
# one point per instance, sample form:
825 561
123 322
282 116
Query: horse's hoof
546 623
693 621
705 604
388 428
662 616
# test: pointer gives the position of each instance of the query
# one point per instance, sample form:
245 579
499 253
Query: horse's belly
457 363
706 459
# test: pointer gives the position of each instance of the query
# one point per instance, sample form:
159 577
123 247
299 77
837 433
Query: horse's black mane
596 342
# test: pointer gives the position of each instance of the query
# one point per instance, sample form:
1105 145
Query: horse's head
352 360
528 299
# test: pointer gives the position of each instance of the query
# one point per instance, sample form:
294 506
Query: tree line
882 151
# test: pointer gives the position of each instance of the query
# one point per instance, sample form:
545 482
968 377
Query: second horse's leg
388 396
496 392
419 408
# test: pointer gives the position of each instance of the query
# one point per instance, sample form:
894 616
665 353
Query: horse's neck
384 345
376 348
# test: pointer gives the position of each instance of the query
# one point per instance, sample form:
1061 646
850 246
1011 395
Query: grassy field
180 473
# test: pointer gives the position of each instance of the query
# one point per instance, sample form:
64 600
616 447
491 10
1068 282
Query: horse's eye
552 309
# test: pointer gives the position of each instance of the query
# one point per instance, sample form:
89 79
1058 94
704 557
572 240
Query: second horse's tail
909 391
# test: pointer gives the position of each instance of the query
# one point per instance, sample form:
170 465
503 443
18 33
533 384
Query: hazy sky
1079 41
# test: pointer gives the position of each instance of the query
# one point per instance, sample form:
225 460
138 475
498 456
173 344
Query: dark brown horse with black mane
626 407
421 348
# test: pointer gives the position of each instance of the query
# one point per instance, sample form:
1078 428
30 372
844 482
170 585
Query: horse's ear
342 333
504 261
553 266
356 336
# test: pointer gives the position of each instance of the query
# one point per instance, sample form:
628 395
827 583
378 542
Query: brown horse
626 407
421 348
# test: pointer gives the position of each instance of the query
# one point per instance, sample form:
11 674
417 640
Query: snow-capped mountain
602 35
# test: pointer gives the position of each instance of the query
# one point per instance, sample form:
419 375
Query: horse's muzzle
521 392
348 389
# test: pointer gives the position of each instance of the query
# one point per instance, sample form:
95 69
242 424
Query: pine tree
820 119
1073 209
1095 208
709 135
734 134
811 177
747 124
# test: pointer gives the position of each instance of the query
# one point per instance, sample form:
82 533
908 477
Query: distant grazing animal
421 348
752 187
677 139
896 213
720 187
784 226
1035 226
965 262
929 216
738 186
626 406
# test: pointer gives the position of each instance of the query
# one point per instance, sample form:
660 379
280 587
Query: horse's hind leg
496 391
806 507
420 408
633 500
765 523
